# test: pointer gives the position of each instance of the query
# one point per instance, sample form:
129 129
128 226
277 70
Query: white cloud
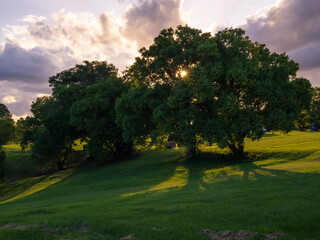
16 118
145 19
33 19
9 99
42 95
40 47
76 36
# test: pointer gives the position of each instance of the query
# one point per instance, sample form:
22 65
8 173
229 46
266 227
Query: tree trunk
116 154
237 149
60 164
192 150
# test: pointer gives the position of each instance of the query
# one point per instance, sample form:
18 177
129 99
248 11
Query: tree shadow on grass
242 194
39 184
213 167
260 158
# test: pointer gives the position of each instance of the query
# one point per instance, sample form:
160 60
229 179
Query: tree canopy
233 89
95 115
6 125
6 134
81 107
188 84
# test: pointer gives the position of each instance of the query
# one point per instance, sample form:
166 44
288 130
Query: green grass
158 195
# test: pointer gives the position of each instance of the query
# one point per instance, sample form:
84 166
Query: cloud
37 50
313 74
292 26
34 19
145 19
287 26
34 65
9 99
75 37
40 47
22 95
308 56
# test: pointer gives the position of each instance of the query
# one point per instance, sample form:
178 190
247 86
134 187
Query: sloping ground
158 195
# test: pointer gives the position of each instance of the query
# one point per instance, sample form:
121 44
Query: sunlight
235 172
179 179
217 174
47 182
183 73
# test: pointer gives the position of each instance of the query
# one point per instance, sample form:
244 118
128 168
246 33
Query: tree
315 106
19 128
190 112
31 125
4 112
255 89
148 110
304 92
303 120
234 88
68 87
48 133
6 134
95 115
6 125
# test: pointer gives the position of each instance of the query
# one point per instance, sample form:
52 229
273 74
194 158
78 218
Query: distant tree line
6 134
310 115
192 85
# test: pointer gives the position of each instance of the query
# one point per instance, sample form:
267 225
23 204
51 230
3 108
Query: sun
183 73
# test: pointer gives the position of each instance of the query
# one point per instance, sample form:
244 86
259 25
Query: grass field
158 195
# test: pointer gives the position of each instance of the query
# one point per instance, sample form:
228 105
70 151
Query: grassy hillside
158 195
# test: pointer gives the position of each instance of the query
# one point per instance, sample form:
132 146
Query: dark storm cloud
293 27
294 23
145 19
23 93
308 57
24 75
33 66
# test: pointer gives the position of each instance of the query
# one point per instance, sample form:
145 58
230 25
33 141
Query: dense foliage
187 84
6 134
6 125
234 89
81 107
95 115
315 107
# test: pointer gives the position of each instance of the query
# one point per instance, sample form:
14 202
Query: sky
39 38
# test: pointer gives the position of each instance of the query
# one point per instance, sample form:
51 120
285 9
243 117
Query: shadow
270 135
178 180
254 172
214 167
261 158
41 185
264 166
218 168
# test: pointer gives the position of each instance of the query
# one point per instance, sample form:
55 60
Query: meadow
159 195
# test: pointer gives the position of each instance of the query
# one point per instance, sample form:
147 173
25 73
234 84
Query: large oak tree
233 89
